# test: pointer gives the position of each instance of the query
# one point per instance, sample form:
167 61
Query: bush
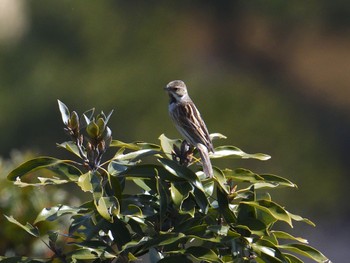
154 200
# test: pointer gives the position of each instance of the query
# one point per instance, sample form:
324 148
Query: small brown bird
189 122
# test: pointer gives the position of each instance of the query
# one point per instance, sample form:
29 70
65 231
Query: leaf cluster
174 212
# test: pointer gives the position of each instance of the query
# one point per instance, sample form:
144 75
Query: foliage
173 212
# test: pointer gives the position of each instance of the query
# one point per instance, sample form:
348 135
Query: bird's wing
191 125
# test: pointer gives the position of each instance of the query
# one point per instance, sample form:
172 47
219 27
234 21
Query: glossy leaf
284 235
70 146
234 152
28 227
134 145
53 213
57 166
64 112
202 253
242 175
181 171
215 136
306 251
275 210
302 219
84 182
167 144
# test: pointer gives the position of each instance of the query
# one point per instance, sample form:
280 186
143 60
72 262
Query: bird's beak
166 88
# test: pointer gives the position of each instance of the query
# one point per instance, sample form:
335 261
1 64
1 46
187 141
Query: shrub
153 200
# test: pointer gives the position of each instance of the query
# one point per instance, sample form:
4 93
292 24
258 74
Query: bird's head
177 90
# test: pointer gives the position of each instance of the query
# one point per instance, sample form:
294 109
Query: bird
189 122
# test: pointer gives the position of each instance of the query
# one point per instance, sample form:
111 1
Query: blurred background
273 76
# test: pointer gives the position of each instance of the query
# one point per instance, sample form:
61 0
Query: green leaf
234 152
277 180
181 171
179 191
57 166
134 145
108 207
134 156
306 251
92 130
292 258
168 144
70 146
202 253
302 219
53 213
272 208
219 176
64 112
242 175
284 235
28 227
84 182
215 136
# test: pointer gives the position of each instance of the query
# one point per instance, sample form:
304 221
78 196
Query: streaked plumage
189 122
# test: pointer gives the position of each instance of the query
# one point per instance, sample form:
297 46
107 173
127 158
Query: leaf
84 182
202 253
181 171
299 218
215 136
71 147
272 208
134 145
134 156
28 227
306 251
89 254
53 213
242 175
234 152
292 258
64 112
168 144
108 207
179 191
57 166
277 180
284 235
92 130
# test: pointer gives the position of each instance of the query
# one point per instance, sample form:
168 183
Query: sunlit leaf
64 112
181 171
234 152
284 235
134 145
84 182
70 146
215 136
306 251
54 212
272 208
57 166
202 253
168 144
179 191
28 227
242 175
302 219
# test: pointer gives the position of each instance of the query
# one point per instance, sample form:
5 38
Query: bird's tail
207 168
